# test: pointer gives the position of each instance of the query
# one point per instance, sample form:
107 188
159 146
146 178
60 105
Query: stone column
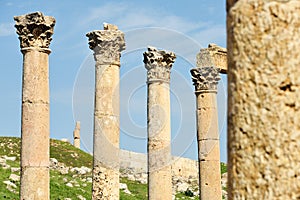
206 80
76 135
107 45
158 64
263 99
35 31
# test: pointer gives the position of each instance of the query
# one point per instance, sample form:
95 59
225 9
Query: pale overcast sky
179 26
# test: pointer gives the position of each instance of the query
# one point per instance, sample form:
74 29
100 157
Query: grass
223 168
139 190
59 190
10 146
69 155
63 152
4 193
183 196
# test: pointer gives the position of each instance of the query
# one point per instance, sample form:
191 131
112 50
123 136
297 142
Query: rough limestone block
263 99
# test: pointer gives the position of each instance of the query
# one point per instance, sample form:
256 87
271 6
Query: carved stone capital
214 55
159 64
205 79
107 44
34 30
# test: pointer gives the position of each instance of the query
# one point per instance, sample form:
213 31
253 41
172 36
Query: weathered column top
159 64
107 44
205 79
213 56
35 31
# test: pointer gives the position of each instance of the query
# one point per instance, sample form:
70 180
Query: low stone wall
181 167
133 160
184 167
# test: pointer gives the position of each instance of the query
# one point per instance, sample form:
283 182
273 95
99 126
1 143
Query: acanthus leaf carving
34 30
205 79
107 44
159 64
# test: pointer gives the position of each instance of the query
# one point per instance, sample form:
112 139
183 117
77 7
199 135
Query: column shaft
263 99
35 31
158 64
206 80
208 147
107 45
159 142
106 133
35 126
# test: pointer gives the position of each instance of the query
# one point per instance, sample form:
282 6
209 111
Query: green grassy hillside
68 156
65 181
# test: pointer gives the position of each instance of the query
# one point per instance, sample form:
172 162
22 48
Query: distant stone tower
76 135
